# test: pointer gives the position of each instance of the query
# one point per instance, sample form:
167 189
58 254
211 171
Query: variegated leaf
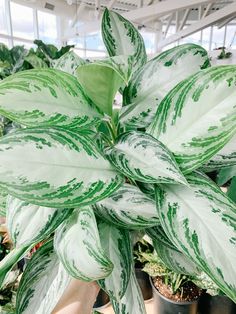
128 208
170 255
101 80
28 225
68 62
78 247
43 282
121 38
55 167
226 157
143 158
201 222
46 97
35 61
198 117
232 190
117 246
3 198
132 302
156 78
225 174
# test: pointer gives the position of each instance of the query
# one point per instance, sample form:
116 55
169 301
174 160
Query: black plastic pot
144 283
162 305
216 305
102 300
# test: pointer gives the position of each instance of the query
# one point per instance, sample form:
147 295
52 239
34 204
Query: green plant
224 54
93 174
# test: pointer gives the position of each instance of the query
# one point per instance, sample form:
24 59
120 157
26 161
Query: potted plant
172 292
87 174
141 249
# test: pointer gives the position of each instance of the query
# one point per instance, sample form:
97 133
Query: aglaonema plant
82 176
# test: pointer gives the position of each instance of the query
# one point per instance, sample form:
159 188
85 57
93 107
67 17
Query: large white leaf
28 225
68 62
169 254
132 302
198 117
3 198
117 246
55 167
156 78
145 159
122 38
128 208
201 222
226 157
78 246
43 283
46 97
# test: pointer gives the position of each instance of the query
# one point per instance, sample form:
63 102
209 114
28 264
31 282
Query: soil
190 292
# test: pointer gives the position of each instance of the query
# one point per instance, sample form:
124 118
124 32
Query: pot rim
169 300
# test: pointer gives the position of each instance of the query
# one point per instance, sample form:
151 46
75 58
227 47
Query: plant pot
163 305
144 283
216 305
102 300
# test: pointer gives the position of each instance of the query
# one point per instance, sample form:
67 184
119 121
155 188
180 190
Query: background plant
90 175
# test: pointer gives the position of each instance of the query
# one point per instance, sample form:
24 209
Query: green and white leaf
128 208
101 80
225 174
201 222
156 78
170 255
117 246
143 158
232 190
46 97
78 247
226 157
198 117
68 62
29 223
55 167
43 282
132 302
35 61
3 198
122 38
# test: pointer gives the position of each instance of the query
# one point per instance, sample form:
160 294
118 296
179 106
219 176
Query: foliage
224 54
96 174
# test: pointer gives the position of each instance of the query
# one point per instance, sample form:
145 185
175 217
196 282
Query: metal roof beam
203 23
184 19
162 8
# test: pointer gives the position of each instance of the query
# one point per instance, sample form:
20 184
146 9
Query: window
230 41
206 36
95 42
47 24
217 37
3 18
78 42
22 21
195 38
149 41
